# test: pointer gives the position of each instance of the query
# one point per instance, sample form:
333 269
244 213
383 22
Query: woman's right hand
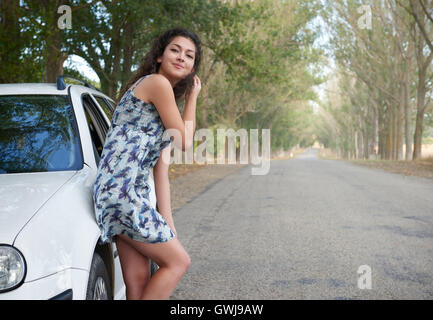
194 90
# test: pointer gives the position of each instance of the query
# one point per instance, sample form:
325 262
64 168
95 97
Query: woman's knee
180 264
186 261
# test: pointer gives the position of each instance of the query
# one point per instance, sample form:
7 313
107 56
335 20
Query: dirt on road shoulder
419 168
187 180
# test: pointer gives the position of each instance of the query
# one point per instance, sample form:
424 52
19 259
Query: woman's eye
189 56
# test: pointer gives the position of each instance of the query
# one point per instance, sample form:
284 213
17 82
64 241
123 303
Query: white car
51 138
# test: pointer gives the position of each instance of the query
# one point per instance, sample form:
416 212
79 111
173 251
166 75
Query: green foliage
259 64
20 53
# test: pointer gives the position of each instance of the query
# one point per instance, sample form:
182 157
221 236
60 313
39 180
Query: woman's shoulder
155 81
152 86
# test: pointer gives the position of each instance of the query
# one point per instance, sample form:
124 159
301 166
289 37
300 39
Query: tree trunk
128 52
423 63
400 123
389 134
421 107
116 74
407 120
54 37
394 133
10 50
382 134
373 133
418 136
366 153
203 112
356 151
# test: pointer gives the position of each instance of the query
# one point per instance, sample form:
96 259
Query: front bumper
55 286
66 295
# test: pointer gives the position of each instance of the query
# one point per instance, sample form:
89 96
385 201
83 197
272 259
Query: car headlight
12 268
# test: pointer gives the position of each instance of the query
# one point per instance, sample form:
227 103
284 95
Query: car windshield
38 133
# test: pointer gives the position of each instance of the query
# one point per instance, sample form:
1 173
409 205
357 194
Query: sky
328 68
78 63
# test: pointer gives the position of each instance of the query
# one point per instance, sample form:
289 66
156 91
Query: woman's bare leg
173 262
135 269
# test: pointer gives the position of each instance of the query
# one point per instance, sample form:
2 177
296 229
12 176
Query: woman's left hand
174 231
171 224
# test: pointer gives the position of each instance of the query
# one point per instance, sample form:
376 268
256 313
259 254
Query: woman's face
177 61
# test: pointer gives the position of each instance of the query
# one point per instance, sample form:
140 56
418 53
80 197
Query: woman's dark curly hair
149 65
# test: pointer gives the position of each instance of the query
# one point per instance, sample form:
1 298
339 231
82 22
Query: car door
98 124
107 105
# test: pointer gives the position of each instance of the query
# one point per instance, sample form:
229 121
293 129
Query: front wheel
98 286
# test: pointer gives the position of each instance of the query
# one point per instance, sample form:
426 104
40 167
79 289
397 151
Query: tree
20 57
393 62
420 12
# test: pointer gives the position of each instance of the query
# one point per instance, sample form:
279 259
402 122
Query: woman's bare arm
162 188
159 91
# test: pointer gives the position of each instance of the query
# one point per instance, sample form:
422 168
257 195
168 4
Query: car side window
105 105
98 127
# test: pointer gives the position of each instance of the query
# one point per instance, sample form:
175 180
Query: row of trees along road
257 62
381 95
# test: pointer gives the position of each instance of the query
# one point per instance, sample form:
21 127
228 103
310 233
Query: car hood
22 195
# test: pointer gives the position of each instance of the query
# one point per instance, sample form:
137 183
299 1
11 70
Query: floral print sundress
121 190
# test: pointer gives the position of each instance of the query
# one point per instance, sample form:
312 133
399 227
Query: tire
98 286
153 267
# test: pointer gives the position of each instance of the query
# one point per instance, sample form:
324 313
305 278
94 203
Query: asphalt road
303 230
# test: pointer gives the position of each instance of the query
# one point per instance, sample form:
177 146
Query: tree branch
429 16
414 14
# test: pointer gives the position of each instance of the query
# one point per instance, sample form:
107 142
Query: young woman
133 147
